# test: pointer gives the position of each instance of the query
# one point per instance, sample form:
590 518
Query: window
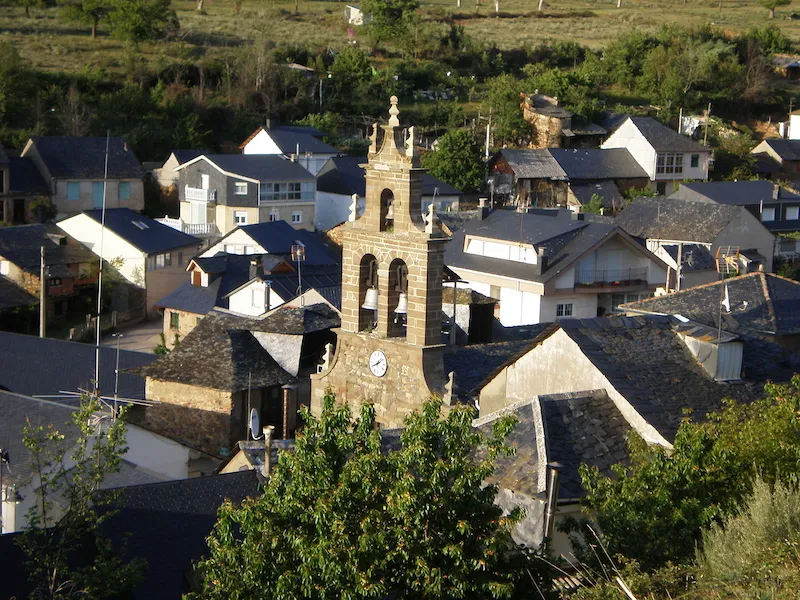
563 310
661 188
616 300
792 213
124 190
274 215
174 320
55 281
84 270
297 217
240 188
4 267
293 190
73 190
197 321
163 260
98 191
180 258
240 217
256 298
768 214
695 161
669 163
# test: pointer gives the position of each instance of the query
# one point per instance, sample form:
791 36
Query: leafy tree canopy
457 161
388 20
771 5
655 509
343 518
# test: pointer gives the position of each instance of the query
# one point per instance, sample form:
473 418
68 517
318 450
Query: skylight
141 224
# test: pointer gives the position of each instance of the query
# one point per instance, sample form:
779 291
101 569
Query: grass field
48 43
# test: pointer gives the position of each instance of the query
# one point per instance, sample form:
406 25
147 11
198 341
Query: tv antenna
299 256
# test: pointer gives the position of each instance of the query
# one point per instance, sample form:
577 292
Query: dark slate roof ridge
84 156
502 412
157 237
261 167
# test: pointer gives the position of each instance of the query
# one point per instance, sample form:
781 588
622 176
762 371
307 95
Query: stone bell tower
389 349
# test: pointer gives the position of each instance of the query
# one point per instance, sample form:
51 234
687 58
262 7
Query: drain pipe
553 479
267 471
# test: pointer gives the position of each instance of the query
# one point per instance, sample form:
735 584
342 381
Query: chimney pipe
267 471
268 124
256 268
483 208
553 479
776 192
267 291
287 398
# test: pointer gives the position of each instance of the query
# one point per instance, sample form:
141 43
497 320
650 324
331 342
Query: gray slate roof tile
70 157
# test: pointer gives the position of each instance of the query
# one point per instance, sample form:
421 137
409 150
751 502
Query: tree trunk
771 13
541 5
619 3
27 12
200 5
94 27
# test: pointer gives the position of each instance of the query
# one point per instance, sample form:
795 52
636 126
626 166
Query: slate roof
566 240
13 295
765 164
37 366
24 177
183 156
261 167
288 140
196 298
21 245
17 410
676 219
607 190
325 279
143 233
694 257
278 237
219 353
344 175
297 320
583 427
786 149
563 164
739 193
167 524
70 157
772 304
664 139
648 364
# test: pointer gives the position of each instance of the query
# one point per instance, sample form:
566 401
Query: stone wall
200 417
413 375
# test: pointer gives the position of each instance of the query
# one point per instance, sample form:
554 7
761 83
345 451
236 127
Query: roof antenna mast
100 276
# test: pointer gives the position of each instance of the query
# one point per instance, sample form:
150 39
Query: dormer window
506 251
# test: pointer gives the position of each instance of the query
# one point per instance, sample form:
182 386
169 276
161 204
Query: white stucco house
667 156
304 144
552 265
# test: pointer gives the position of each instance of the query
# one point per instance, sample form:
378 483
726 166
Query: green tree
68 555
771 5
503 98
594 206
343 518
12 72
86 12
457 161
138 20
388 20
655 509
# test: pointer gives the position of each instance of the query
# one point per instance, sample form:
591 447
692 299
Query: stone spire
393 112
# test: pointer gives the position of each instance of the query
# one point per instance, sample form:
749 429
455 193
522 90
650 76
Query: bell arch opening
398 298
368 293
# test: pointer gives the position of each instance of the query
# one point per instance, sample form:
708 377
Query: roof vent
141 225
718 352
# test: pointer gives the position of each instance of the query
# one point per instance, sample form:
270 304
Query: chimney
483 208
256 269
553 480
268 124
541 262
267 469
776 192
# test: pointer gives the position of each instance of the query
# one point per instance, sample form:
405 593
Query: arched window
368 293
398 298
387 210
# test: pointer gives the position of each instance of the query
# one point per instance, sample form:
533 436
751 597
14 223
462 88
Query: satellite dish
255 424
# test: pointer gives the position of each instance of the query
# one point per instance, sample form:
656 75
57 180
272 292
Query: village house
18 308
777 158
74 170
301 144
776 207
219 192
560 177
555 127
165 175
148 255
228 365
21 188
667 157
692 232
342 177
70 267
552 265
760 304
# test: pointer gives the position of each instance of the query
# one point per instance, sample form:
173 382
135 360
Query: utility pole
42 296
708 118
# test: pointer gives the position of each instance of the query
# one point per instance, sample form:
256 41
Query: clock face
378 364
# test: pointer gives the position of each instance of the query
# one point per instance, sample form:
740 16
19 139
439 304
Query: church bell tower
389 349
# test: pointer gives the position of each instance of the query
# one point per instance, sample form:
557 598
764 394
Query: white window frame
768 214
163 260
794 215
240 188
256 298
297 217
5 267
240 217
274 215
669 163
565 310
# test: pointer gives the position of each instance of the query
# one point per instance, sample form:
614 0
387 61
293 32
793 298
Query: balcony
201 229
199 194
610 278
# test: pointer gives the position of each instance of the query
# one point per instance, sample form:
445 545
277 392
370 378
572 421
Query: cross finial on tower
393 112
